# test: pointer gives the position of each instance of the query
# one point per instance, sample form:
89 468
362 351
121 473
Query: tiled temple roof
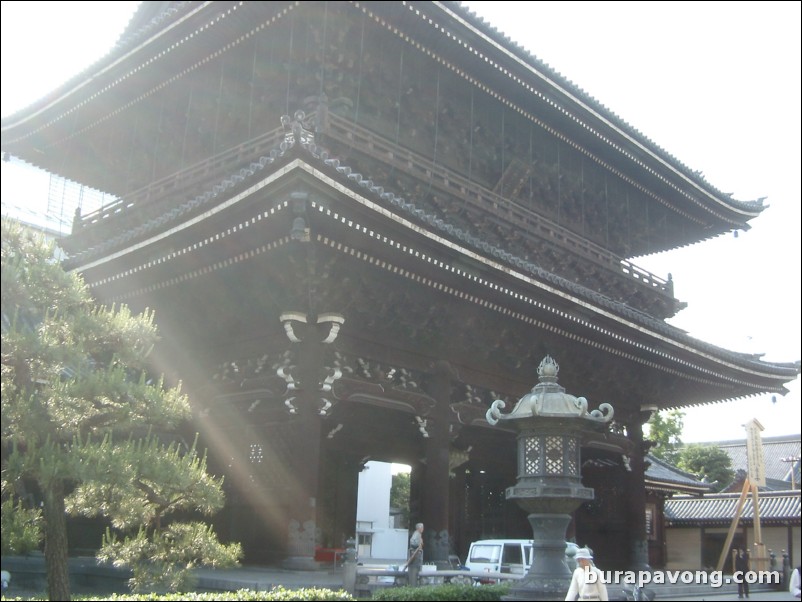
522 53
661 475
152 18
778 507
300 143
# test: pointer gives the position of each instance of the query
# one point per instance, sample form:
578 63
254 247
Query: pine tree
710 463
81 419
399 497
665 432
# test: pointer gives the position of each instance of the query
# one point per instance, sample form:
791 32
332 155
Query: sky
716 85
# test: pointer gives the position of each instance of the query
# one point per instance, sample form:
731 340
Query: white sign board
754 453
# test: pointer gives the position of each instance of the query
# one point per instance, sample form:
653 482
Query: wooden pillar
345 516
635 498
436 480
457 492
472 525
302 512
337 498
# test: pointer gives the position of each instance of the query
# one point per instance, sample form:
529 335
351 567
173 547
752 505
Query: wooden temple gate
360 224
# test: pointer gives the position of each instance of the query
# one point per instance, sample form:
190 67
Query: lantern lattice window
554 455
532 455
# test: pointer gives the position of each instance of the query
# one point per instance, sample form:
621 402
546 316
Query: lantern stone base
549 576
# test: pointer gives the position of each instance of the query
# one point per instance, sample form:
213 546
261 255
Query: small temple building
359 224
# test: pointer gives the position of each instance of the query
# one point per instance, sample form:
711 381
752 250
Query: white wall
373 506
390 544
373 503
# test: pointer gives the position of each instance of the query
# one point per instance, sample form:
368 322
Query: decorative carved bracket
292 320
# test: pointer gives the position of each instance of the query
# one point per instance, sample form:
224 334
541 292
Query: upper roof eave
505 45
151 18
144 23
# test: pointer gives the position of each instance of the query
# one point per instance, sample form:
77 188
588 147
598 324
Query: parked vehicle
508 555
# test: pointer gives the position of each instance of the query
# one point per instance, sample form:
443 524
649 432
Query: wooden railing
361 581
347 132
219 165
454 184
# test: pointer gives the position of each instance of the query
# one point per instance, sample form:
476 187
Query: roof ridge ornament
298 129
548 369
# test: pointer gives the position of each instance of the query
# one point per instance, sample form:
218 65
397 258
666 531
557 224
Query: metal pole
792 460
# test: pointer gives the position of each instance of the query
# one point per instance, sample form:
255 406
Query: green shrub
278 593
443 592
21 532
429 592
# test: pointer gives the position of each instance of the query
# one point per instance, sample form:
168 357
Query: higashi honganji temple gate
359 224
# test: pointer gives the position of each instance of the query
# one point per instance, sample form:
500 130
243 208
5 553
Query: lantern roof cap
549 399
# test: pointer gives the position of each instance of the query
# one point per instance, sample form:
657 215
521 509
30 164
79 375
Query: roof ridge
742 442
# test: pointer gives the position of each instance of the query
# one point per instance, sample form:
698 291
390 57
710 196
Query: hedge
444 592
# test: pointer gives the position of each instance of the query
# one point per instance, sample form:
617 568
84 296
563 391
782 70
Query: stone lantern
550 425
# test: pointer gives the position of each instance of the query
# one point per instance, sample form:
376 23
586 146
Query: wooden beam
731 533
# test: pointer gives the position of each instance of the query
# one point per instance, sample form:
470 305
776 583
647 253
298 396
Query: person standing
586 582
415 560
795 582
742 566
416 546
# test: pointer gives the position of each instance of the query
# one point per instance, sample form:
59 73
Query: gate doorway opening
382 514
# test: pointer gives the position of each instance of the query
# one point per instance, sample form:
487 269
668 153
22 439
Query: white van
508 555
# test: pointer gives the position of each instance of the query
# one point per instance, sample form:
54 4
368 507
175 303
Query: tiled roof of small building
664 476
718 509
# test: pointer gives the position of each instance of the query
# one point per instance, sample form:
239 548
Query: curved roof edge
153 17
521 53
303 146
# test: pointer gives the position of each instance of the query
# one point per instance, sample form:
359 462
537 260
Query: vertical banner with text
754 453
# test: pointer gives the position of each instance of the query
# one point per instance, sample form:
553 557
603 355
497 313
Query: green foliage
710 463
244 595
164 561
139 481
76 388
20 528
665 431
443 592
399 496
